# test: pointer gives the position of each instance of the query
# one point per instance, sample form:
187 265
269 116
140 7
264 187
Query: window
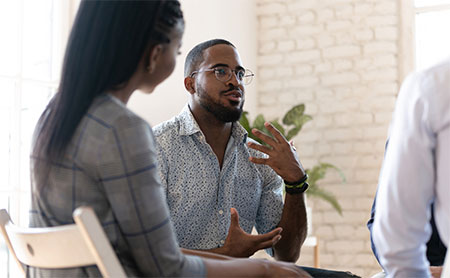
33 35
432 19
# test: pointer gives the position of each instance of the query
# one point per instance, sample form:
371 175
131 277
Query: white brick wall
340 58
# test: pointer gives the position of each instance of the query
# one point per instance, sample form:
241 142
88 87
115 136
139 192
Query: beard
222 113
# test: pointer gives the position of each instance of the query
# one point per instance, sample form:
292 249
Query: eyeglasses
224 74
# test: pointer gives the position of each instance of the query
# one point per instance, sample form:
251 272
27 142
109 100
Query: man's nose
234 80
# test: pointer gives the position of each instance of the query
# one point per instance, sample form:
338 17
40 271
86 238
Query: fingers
275 143
234 218
275 132
270 235
267 240
259 160
266 138
269 243
259 147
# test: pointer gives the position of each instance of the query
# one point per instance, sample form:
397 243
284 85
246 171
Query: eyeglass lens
224 74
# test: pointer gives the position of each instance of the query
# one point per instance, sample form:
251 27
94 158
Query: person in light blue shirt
219 183
415 174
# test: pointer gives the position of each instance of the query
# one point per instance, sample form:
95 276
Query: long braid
170 14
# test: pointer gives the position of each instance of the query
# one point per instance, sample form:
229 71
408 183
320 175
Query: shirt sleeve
128 169
401 227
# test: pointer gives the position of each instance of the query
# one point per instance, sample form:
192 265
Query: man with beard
219 183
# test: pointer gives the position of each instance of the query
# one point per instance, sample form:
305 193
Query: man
415 175
215 194
219 183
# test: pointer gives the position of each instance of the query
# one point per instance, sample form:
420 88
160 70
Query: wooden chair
81 244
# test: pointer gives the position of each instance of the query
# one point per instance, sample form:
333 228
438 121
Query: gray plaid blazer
111 166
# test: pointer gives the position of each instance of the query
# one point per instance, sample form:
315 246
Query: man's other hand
241 244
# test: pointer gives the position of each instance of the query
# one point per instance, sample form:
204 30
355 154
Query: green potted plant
291 125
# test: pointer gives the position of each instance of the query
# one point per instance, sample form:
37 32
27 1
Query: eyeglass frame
215 68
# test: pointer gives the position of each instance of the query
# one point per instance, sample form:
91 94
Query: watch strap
296 189
299 182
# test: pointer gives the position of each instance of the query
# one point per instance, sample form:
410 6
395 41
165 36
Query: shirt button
220 211
222 241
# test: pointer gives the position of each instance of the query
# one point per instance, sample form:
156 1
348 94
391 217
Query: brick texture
340 58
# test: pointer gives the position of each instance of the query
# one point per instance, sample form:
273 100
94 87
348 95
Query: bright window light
432 19
432 45
33 34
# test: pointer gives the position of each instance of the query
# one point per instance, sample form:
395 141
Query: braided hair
106 43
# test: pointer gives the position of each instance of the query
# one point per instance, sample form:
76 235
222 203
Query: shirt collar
189 126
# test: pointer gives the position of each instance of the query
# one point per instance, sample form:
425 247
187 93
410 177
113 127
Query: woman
89 149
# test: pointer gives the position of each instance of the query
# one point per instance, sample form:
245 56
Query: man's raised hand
283 158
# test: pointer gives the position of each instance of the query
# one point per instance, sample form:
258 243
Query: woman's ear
153 58
189 84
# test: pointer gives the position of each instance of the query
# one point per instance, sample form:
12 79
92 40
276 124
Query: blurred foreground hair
106 43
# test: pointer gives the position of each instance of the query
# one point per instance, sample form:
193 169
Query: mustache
233 88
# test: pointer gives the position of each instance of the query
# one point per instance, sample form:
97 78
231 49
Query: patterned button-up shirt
110 165
200 194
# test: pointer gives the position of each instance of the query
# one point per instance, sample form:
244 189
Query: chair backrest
81 244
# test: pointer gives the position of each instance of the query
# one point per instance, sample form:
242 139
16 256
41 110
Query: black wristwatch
297 187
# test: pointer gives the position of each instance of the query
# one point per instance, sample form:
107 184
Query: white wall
234 20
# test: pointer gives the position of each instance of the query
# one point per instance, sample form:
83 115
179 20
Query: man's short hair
195 56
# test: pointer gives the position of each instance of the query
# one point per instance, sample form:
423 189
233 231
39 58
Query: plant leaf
258 123
298 126
317 192
318 172
315 174
295 112
329 165
303 119
291 134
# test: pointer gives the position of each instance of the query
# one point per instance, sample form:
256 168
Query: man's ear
189 84
155 54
